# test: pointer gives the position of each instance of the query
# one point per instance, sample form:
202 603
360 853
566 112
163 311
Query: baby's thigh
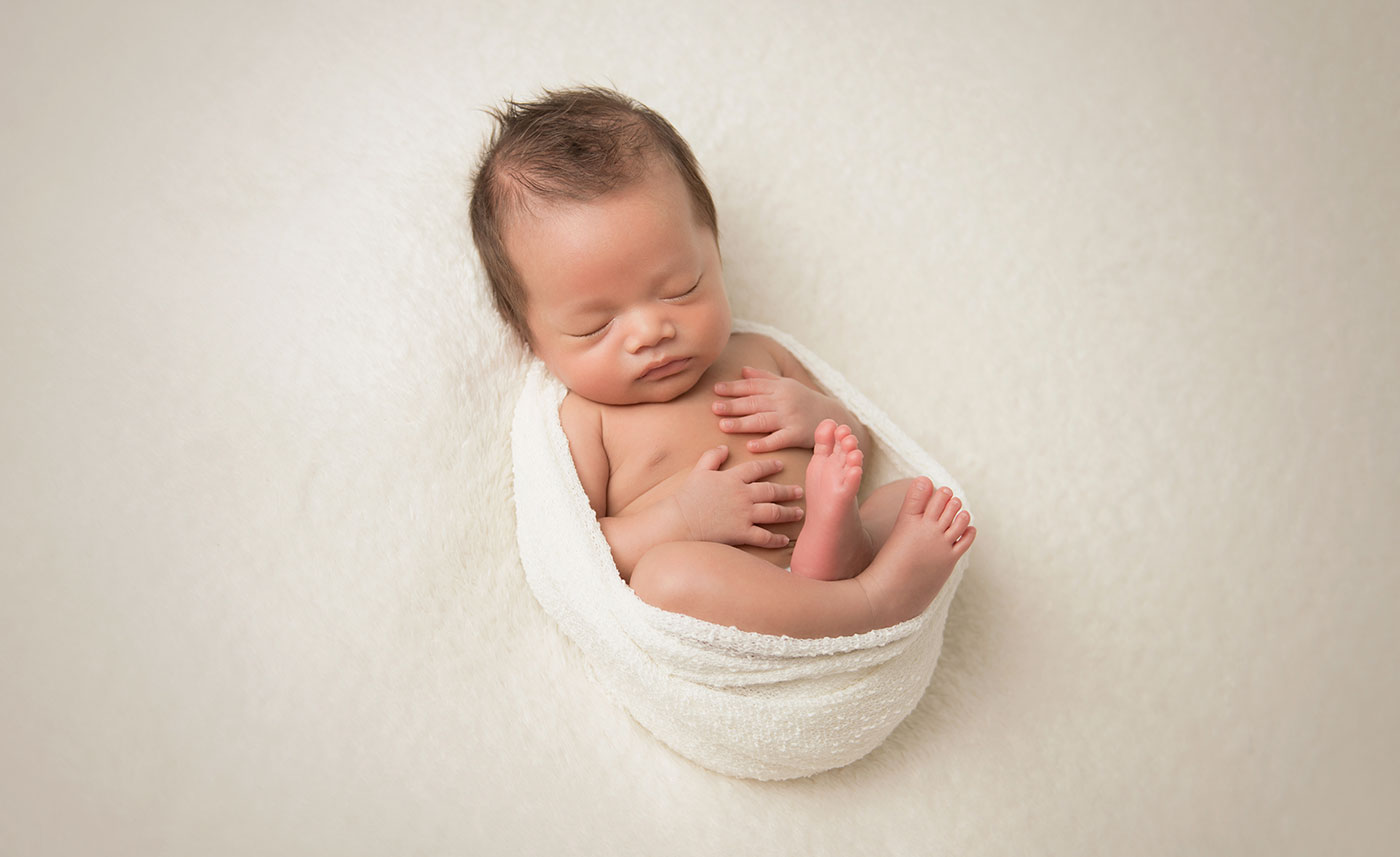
880 510
696 578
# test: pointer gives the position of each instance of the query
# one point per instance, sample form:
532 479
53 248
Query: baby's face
625 294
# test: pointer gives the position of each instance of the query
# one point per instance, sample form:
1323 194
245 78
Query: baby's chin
646 397
639 393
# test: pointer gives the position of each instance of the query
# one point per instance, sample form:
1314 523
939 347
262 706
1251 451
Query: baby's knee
671 575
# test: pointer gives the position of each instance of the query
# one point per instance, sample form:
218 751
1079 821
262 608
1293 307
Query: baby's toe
959 525
938 503
917 497
965 542
945 519
850 479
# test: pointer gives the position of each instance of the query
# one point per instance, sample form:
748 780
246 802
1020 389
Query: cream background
1127 270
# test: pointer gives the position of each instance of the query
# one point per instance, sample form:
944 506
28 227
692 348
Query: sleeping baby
724 478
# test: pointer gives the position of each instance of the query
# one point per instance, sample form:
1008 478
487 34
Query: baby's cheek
605 373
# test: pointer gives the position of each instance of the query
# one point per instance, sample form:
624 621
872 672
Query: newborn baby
599 239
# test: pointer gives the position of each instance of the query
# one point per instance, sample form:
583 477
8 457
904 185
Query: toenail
944 491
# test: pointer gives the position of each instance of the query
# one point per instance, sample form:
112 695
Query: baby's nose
648 333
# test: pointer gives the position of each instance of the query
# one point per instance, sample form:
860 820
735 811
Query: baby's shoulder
582 421
580 417
755 349
751 347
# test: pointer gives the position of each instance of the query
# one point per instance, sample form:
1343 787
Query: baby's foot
930 535
832 545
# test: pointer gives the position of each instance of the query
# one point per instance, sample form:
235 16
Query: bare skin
926 537
651 449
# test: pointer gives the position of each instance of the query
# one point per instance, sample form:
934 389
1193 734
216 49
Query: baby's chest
649 445
661 453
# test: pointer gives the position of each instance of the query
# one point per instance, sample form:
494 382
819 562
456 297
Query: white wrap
736 702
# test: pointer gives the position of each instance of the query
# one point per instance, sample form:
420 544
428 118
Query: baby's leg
833 545
724 585
878 512
917 552
838 540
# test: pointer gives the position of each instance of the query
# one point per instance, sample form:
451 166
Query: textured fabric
740 703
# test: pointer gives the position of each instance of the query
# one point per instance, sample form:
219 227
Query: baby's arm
786 407
725 506
630 536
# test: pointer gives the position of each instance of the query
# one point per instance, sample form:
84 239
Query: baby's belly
656 484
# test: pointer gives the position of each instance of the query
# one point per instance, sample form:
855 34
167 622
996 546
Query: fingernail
726 424
799 491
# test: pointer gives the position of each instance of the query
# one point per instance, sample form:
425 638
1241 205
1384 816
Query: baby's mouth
665 369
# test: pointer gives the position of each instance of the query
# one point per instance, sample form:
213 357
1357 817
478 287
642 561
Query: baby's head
599 240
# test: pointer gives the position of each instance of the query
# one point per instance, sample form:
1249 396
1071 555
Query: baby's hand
784 409
728 505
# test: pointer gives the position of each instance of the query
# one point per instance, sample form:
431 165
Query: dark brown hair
570 144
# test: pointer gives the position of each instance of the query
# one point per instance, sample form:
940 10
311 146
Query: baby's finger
761 538
742 388
752 471
755 372
780 439
712 458
741 406
761 423
772 513
774 492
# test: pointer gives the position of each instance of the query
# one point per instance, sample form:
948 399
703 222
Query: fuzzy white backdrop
1127 270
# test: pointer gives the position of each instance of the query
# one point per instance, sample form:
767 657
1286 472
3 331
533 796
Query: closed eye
685 293
592 333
